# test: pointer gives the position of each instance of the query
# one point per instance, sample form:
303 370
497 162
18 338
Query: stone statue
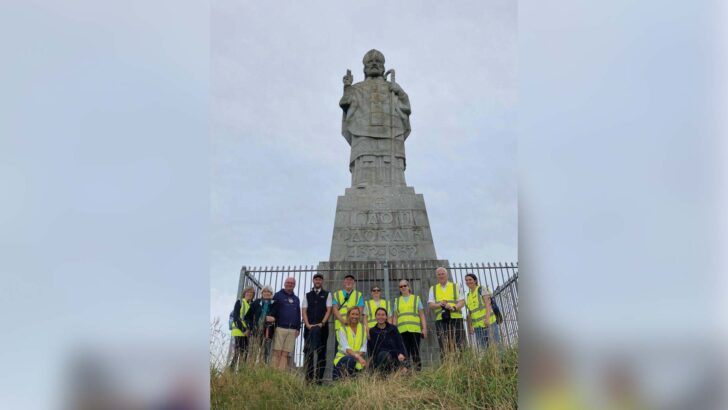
375 123
379 218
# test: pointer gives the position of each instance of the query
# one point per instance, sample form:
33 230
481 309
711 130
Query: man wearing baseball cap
316 311
344 300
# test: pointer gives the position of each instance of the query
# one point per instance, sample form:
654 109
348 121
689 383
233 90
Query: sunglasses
402 286
376 290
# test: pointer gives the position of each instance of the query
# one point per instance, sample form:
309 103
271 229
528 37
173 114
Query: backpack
496 311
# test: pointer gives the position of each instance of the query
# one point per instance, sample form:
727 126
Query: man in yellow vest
343 300
349 359
481 318
446 300
239 327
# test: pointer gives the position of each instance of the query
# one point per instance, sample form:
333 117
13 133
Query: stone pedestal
381 223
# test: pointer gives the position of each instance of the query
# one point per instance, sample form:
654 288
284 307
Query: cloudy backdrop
279 161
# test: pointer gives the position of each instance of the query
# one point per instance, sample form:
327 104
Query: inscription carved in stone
385 235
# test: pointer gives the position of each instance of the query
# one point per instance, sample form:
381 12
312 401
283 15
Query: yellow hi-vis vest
355 342
372 306
244 306
408 319
344 307
440 295
476 307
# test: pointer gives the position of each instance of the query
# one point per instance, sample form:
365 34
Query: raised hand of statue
348 78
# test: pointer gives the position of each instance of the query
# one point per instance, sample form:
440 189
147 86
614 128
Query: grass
464 381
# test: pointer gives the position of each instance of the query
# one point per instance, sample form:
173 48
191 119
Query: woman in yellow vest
481 319
238 326
349 360
409 317
373 304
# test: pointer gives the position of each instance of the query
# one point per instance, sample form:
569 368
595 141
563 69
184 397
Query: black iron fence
500 278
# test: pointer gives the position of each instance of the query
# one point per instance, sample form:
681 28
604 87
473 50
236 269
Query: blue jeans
482 336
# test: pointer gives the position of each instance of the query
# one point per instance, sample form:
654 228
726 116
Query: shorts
284 339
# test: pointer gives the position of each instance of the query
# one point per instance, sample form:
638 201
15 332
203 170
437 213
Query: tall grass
463 381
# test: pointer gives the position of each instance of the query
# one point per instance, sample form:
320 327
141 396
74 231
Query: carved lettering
405 218
382 251
370 236
386 218
344 234
397 235
418 234
383 236
356 236
372 219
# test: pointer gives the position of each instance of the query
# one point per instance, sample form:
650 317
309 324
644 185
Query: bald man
446 299
286 314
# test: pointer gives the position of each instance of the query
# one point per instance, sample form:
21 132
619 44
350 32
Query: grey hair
266 289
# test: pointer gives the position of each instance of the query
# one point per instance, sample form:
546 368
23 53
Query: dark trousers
450 335
315 345
240 351
336 341
412 345
264 339
346 367
386 362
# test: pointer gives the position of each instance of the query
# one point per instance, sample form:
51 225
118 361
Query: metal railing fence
500 278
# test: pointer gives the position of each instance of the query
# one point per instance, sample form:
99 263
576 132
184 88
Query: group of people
372 334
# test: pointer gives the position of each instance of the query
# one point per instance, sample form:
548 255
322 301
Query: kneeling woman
349 359
385 345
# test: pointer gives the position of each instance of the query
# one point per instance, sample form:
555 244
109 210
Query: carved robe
369 122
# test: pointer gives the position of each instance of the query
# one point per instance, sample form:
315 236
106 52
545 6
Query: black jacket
387 340
253 315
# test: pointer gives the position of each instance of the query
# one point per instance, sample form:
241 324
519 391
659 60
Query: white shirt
304 305
431 297
345 343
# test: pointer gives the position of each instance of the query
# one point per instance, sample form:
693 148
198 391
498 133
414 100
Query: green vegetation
461 382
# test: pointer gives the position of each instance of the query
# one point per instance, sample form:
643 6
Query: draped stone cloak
367 124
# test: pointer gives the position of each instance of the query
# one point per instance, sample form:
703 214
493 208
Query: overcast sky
279 160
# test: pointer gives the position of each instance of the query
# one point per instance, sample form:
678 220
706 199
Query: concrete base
381 223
